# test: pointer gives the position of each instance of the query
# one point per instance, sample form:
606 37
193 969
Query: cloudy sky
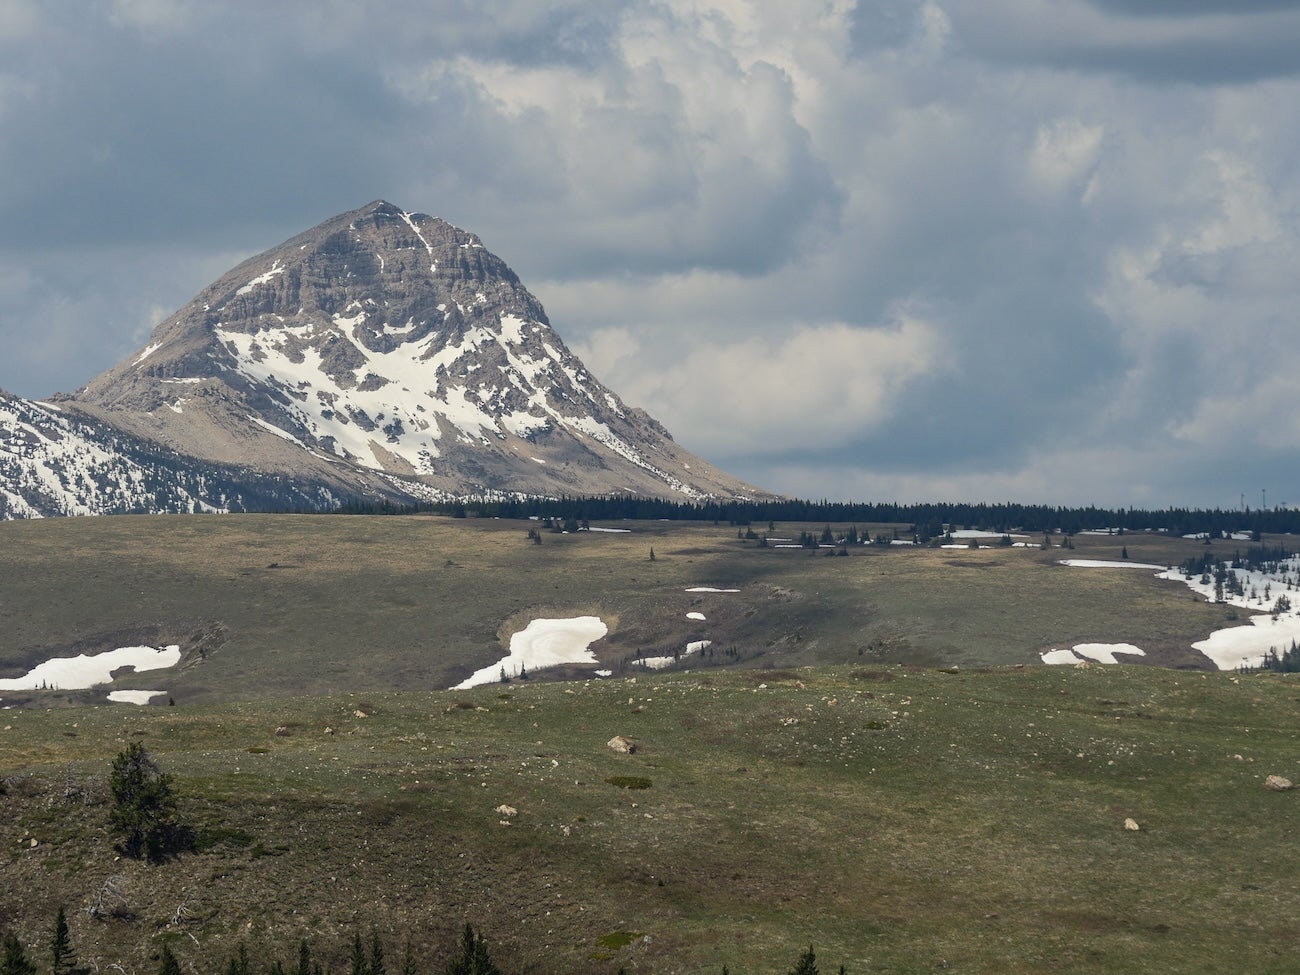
1032 250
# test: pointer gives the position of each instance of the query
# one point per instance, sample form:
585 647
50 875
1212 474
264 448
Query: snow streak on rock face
396 343
52 464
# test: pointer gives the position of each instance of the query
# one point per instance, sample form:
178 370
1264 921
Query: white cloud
816 388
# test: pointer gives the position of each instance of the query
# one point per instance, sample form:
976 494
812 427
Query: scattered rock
1278 784
1131 824
282 731
329 731
620 744
358 713
506 811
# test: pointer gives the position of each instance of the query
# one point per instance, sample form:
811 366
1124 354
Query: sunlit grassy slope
900 819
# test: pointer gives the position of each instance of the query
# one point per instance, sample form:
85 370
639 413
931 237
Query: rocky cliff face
389 351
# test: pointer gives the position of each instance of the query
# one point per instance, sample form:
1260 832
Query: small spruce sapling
62 957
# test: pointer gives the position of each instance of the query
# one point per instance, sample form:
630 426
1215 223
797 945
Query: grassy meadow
899 819
881 769
277 604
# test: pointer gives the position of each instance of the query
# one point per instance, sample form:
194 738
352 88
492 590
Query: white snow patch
659 663
974 533
611 531
1245 646
149 350
1104 653
710 589
1103 564
90 670
543 643
133 697
261 279
695 616
1061 657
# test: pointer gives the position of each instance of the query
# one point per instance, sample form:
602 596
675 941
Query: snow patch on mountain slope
403 402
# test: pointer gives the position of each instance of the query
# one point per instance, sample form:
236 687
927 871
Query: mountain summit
385 351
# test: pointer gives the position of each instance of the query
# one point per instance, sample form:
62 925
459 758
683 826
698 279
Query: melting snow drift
91 670
543 643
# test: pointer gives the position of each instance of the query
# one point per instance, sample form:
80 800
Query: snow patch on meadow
91 670
543 643
710 589
659 663
1102 653
1232 647
695 616
1104 564
133 697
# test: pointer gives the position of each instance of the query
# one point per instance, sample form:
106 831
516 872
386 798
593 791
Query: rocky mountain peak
390 342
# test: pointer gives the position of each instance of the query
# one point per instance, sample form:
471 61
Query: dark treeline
470 957
933 516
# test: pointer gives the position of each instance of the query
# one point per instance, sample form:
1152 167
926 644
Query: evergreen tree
376 954
807 964
304 959
359 964
62 958
473 958
408 960
169 965
13 960
238 964
1124 552
144 807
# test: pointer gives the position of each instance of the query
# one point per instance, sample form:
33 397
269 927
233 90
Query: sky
1044 251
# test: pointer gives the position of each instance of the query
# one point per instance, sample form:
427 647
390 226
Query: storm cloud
1005 250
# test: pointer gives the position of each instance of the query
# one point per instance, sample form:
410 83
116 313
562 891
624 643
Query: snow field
543 643
92 670
1229 648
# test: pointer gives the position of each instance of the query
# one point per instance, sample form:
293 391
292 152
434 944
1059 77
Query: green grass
864 763
896 818
270 605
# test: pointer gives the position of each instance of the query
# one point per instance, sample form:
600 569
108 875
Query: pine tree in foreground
62 957
13 960
169 965
807 964
473 958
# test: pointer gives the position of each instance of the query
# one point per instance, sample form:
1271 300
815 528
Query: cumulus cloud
816 388
916 249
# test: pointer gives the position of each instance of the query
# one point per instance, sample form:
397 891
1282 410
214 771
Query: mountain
53 463
389 353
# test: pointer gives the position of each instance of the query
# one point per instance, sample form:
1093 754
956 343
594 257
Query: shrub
629 781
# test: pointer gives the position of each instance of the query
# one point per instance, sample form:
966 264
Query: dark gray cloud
1006 249
1200 43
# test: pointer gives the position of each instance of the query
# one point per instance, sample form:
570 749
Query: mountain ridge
388 353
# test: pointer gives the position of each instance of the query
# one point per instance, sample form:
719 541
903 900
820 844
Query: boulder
1131 824
1277 783
620 744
